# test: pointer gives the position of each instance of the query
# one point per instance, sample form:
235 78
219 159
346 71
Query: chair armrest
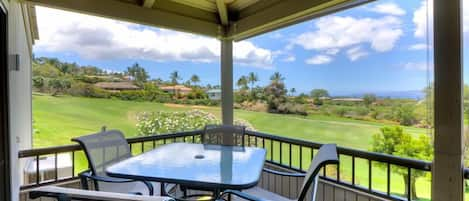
88 175
239 194
67 194
287 174
38 193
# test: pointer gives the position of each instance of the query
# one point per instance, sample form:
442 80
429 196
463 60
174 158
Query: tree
292 91
195 79
405 114
242 83
38 82
394 141
45 70
252 78
175 77
58 85
275 94
67 68
277 77
318 93
138 73
368 99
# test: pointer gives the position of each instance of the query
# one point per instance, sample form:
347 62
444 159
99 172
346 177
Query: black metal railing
290 153
137 145
293 154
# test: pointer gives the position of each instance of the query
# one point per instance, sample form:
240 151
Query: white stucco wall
20 88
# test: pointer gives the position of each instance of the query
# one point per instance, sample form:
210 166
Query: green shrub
170 122
39 82
87 90
58 85
339 111
405 115
361 111
89 79
151 123
318 101
197 93
292 108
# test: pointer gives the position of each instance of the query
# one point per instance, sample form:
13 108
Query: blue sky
378 47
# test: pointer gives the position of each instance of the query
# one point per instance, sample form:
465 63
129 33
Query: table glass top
186 163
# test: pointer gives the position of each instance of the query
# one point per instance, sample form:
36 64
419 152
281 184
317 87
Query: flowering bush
242 122
150 123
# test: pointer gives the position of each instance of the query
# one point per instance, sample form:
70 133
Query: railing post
447 180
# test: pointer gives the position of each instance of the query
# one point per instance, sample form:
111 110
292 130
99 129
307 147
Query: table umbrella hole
199 156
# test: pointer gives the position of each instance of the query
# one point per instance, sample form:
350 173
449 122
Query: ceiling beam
223 12
136 14
284 13
148 3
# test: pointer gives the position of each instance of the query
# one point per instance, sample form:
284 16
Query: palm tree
137 72
195 79
242 82
292 91
277 77
252 78
175 77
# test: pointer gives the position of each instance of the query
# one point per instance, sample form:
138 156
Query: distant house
117 86
324 98
179 89
214 94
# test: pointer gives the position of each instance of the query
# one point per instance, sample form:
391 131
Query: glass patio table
204 166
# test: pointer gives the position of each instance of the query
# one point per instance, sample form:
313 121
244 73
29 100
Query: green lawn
57 119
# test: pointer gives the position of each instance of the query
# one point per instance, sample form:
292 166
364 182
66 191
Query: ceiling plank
206 5
284 13
223 12
148 3
188 11
241 4
136 14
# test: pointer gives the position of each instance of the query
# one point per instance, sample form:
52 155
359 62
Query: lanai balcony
361 175
236 20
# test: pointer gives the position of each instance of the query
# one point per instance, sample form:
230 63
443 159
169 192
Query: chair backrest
327 154
224 135
104 149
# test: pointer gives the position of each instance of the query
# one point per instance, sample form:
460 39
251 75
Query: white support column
447 183
227 81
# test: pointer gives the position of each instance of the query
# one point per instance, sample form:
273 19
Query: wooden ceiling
231 19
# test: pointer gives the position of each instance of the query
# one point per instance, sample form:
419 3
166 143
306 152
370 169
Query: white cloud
356 53
421 66
289 58
319 59
338 32
418 46
420 18
100 38
333 51
388 8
